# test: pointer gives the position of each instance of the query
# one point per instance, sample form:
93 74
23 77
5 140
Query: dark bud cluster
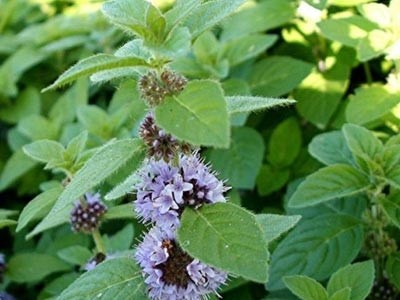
160 144
383 290
379 246
154 88
85 216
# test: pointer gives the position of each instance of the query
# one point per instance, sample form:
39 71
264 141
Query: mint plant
195 149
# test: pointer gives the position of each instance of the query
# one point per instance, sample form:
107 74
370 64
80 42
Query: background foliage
326 168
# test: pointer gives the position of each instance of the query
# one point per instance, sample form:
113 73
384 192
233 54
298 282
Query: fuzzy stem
98 240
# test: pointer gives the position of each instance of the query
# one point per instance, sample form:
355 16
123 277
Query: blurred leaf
31 267
277 75
16 166
27 103
373 44
348 30
319 94
369 104
328 183
124 211
285 143
45 151
235 243
121 240
392 268
359 277
114 278
246 47
305 287
200 107
259 18
7 222
76 255
38 128
239 164
271 179
316 247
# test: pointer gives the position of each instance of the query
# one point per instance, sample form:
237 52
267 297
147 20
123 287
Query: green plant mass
200 149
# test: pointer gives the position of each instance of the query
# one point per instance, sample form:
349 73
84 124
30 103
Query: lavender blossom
170 273
164 190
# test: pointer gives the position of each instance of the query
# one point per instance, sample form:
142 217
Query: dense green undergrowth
294 104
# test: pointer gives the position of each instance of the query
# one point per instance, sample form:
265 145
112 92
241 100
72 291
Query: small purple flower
94 261
164 190
170 273
6 296
2 267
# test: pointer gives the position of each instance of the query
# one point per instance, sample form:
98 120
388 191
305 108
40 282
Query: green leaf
45 151
275 225
117 278
343 294
305 287
393 177
391 207
38 128
55 287
38 207
124 211
259 18
359 277
329 183
362 143
320 93
120 241
123 188
16 166
226 236
277 75
285 143
239 164
76 255
377 13
5 213
240 104
107 160
317 247
209 14
271 179
330 148
348 30
139 17
27 103
369 104
31 267
392 268
373 45
7 222
76 146
181 10
201 108
94 64
95 120
243 48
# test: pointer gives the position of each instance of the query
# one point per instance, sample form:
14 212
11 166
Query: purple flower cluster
164 190
170 273
85 217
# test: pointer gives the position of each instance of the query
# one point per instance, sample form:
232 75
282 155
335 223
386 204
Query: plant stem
368 74
98 240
